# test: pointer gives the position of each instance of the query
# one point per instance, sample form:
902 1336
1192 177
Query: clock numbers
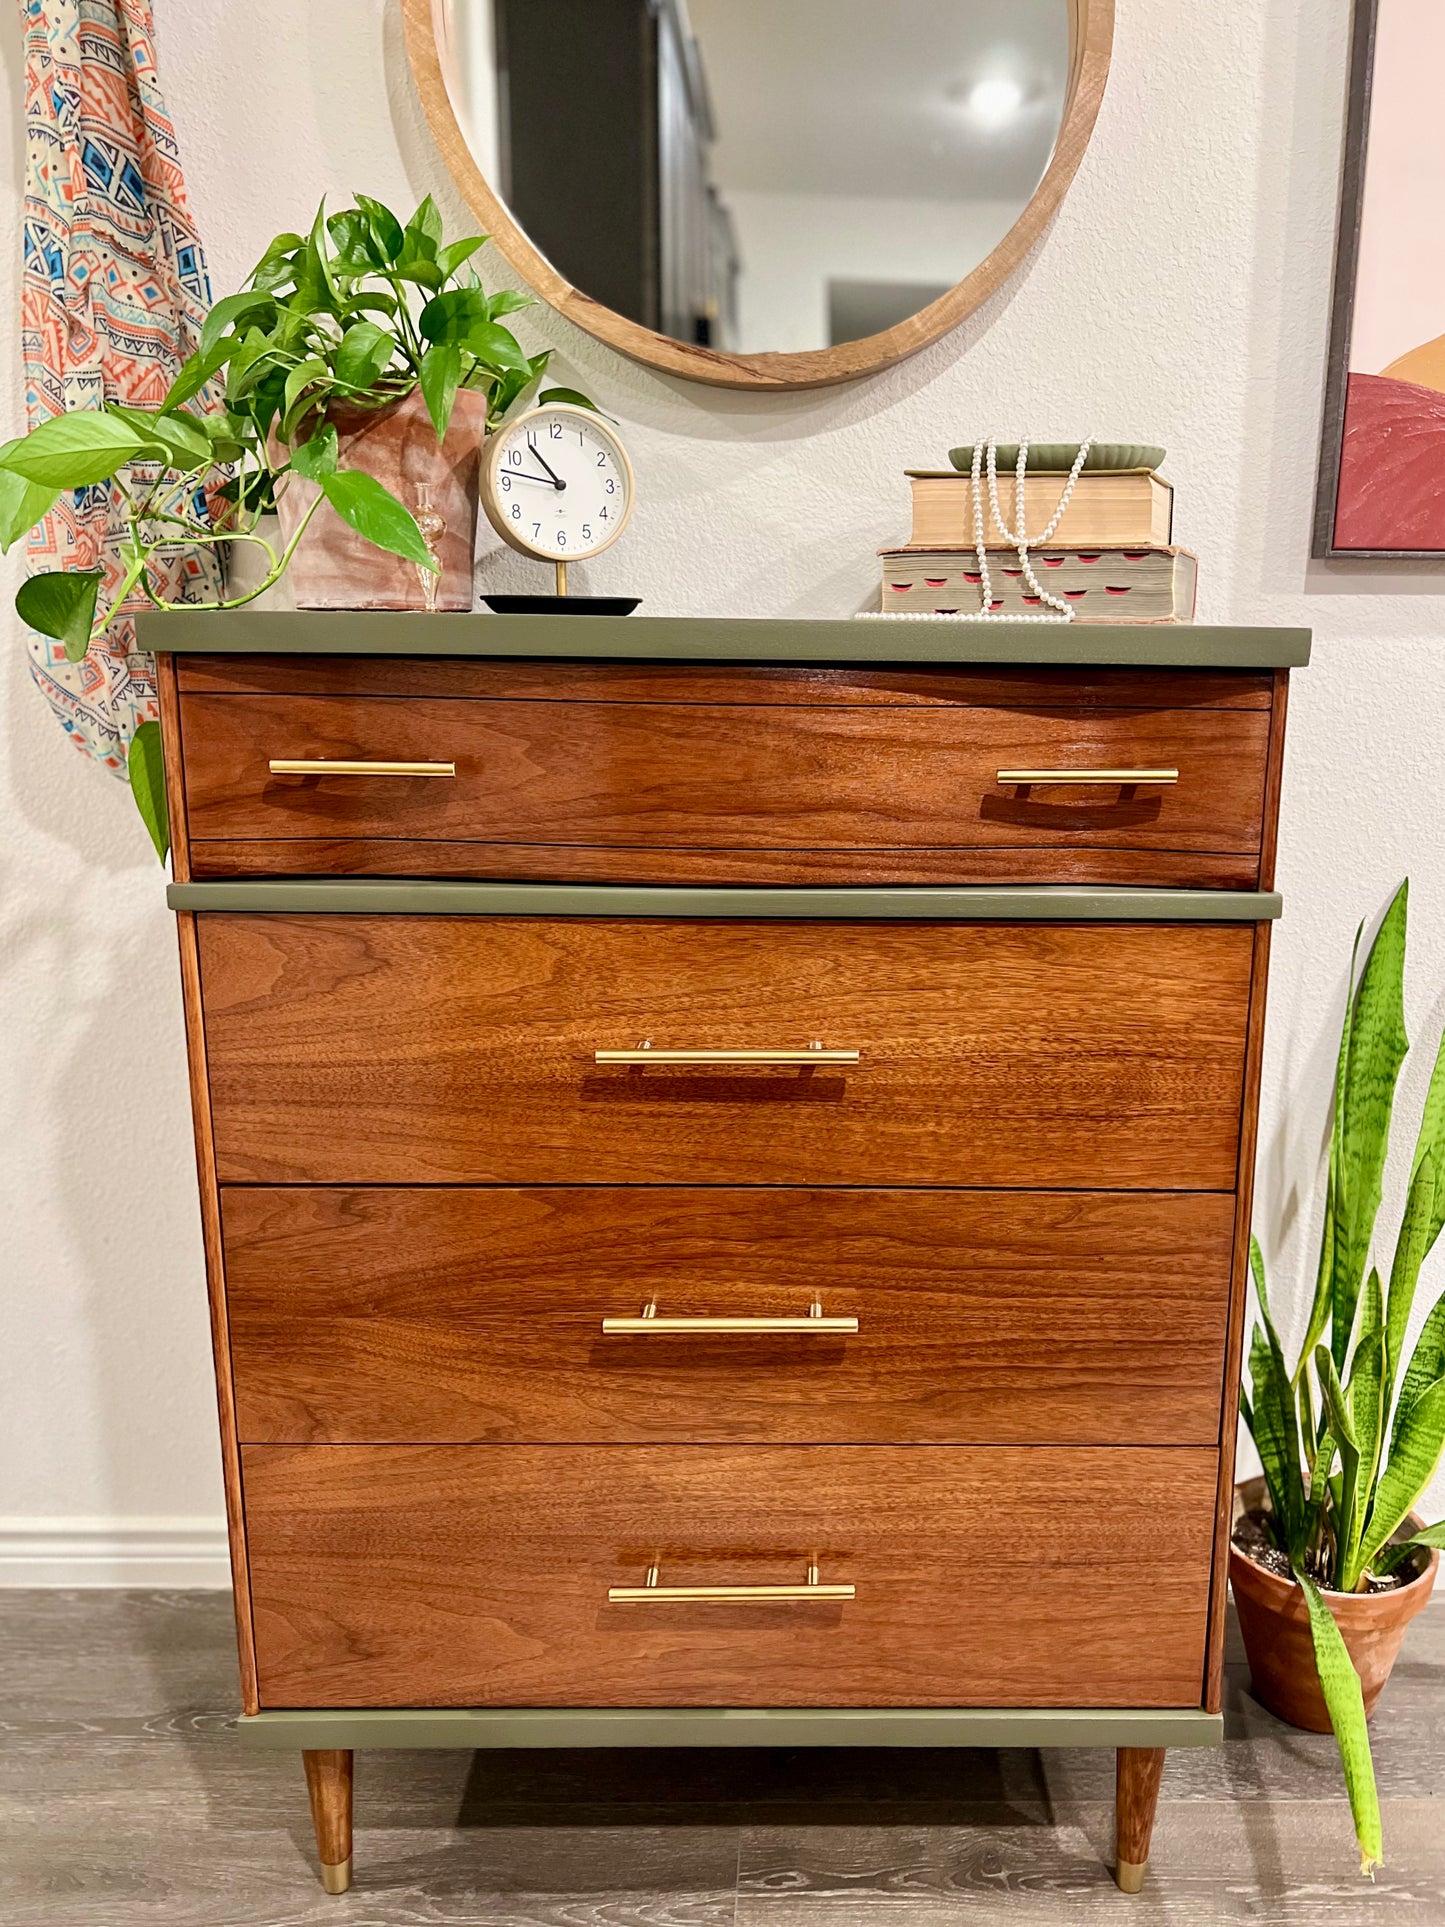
553 498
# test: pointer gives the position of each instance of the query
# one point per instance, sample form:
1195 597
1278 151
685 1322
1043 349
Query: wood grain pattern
173 767
1139 1772
478 1575
329 1776
363 1049
1091 34
1238 1296
718 777
382 1315
214 861
807 685
1274 779
205 1143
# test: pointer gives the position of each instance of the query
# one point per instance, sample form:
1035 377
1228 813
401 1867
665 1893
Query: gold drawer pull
645 1054
1090 777
339 766
651 1594
813 1321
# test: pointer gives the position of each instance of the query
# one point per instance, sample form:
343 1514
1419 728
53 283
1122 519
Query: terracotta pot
333 567
1274 1620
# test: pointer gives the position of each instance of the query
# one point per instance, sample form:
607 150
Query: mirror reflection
760 176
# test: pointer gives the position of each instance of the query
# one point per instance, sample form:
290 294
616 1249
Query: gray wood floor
123 1799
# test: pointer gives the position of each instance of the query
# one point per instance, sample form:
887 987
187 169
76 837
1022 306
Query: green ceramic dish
1060 456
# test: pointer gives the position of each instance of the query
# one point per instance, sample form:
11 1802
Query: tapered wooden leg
328 1781
1136 1795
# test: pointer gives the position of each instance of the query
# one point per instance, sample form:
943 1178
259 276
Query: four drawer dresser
725 1157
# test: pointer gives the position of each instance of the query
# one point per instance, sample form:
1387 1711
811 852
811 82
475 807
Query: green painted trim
1062 903
506 1726
718 639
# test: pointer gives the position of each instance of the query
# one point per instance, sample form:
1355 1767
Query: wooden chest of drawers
725 1159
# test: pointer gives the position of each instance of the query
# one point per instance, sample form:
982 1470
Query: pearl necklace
1020 539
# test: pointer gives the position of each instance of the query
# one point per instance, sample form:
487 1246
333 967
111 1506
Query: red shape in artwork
1392 466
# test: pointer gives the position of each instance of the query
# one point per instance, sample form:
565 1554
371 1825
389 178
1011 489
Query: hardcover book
1103 584
1133 506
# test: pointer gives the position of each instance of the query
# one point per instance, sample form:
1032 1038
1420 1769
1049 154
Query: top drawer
667 780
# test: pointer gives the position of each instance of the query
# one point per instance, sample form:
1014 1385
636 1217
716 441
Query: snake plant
1350 1438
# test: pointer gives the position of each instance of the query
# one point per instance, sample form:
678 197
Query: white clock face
558 484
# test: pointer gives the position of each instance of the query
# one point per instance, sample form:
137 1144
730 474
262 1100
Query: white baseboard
114 1552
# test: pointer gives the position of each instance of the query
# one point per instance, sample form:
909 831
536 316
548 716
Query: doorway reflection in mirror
756 177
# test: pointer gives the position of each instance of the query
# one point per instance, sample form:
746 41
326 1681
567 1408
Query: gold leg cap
336 1879
1130 1875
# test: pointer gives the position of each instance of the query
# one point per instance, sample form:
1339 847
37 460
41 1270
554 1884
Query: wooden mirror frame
1091 39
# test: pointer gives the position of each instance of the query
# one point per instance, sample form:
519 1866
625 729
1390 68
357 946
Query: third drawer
477 1315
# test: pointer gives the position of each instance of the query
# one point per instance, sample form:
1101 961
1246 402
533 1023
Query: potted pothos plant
362 364
1329 1561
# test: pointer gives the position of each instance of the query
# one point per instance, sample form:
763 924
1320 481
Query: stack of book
1111 555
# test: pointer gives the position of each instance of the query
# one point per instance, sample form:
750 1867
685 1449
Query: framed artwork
1382 452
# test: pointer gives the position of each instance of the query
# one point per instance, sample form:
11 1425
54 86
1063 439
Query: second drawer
467 1315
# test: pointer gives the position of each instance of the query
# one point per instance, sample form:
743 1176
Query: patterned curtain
113 296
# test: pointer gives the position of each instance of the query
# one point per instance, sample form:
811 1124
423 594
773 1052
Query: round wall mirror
756 194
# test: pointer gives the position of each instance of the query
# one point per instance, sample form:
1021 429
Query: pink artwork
1382 457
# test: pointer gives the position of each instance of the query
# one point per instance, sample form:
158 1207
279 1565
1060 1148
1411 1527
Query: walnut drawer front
460 1315
368 1049
671 791
480 1575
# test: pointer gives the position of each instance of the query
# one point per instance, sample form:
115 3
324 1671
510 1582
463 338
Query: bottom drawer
480 1575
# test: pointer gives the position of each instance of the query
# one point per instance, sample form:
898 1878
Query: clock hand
557 481
521 475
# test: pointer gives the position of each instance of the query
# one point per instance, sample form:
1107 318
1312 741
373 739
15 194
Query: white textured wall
1182 295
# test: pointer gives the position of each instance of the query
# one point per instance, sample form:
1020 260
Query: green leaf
1410 1249
1431 1141
386 229
495 348
231 308
1377 1048
425 227
1431 1538
1426 1365
146 769
1321 1467
365 350
298 399
317 456
61 606
315 289
1274 1434
1330 1231
185 443
450 316
441 368
573 395
194 372
277 266
22 505
1340 1684
375 513
250 363
1409 1469
451 257
508 301
72 451
513 385
421 270
1364 1401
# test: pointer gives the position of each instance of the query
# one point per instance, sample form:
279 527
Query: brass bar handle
645 1054
1092 778
341 766
653 1594
812 1322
